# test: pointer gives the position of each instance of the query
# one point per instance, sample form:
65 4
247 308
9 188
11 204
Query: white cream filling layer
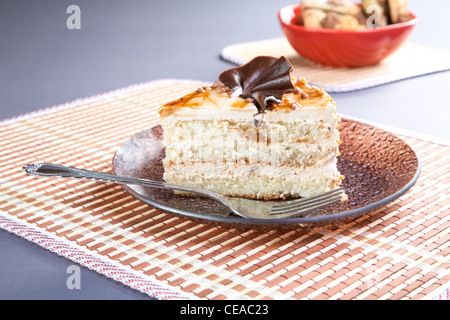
255 180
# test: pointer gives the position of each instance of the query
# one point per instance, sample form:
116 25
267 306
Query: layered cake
256 133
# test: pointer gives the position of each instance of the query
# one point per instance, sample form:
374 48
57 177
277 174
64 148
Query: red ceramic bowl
343 48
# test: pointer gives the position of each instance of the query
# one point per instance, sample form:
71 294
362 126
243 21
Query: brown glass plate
378 168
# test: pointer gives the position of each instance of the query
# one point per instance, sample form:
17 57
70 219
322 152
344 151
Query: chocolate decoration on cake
264 80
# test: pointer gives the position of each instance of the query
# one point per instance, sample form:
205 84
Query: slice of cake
256 133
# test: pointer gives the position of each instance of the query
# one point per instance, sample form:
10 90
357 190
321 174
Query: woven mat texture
399 252
409 61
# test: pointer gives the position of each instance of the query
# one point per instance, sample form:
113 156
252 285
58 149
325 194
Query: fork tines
307 204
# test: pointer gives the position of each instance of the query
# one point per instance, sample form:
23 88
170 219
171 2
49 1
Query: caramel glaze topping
302 95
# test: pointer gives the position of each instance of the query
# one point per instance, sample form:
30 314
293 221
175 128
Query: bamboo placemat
410 60
400 252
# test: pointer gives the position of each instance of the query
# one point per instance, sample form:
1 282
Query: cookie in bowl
331 36
332 14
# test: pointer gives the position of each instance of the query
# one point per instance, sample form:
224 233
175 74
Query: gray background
120 43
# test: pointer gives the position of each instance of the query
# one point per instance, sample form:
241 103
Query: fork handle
57 170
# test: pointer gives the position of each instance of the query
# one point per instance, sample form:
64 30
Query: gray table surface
43 63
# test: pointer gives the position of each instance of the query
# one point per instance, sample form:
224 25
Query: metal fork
246 208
